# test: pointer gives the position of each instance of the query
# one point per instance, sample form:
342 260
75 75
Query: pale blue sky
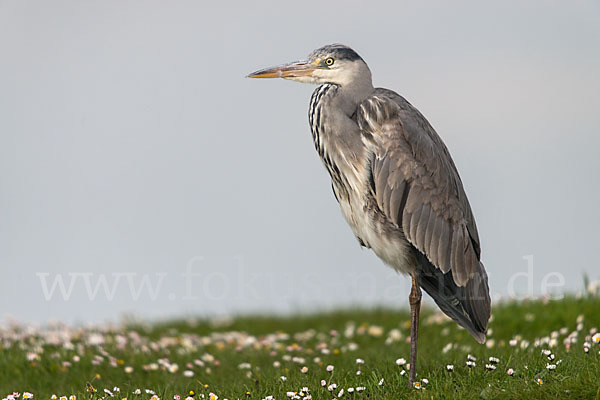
130 143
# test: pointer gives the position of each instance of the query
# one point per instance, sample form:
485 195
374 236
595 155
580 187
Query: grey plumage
396 183
414 190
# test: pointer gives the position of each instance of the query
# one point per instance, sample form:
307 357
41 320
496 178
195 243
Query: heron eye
329 61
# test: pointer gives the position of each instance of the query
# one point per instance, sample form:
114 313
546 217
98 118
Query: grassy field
543 342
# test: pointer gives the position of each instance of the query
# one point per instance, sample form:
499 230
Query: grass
245 358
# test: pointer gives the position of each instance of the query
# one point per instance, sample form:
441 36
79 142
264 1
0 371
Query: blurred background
141 173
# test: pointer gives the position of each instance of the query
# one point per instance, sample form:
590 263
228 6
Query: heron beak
292 70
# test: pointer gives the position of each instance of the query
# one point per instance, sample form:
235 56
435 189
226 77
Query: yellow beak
291 70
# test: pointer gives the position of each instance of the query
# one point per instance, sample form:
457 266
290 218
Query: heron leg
415 306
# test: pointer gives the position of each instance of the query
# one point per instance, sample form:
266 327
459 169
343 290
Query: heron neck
350 96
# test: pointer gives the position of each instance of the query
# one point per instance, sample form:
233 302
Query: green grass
346 335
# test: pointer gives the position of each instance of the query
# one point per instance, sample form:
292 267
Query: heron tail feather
468 305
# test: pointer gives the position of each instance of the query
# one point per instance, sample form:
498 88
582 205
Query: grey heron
396 185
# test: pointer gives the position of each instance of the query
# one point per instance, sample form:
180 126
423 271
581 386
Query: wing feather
431 230
414 168
396 202
416 187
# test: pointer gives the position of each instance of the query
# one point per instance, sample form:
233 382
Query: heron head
335 64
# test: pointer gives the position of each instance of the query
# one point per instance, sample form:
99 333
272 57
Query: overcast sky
132 149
